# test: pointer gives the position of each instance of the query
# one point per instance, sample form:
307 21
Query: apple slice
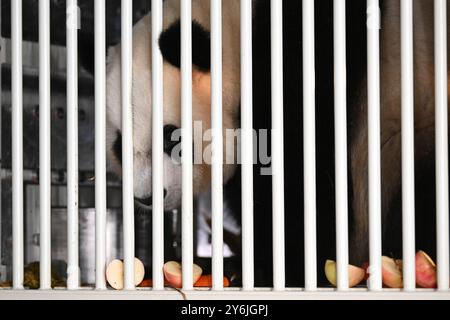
425 271
391 272
365 266
355 274
173 273
114 273
399 263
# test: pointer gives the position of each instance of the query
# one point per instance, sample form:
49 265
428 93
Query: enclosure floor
227 294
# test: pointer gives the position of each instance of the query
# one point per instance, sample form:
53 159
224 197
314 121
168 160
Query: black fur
293 131
169 43
169 142
117 147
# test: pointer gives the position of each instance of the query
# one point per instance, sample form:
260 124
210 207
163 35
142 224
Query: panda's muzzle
147 201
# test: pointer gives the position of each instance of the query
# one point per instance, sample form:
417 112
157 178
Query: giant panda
169 43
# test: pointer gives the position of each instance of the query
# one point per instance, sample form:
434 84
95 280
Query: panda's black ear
169 44
201 47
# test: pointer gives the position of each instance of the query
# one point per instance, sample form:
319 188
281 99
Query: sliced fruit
173 273
425 271
391 273
355 274
115 273
365 266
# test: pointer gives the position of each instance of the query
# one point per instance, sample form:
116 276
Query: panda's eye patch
171 139
169 43
117 147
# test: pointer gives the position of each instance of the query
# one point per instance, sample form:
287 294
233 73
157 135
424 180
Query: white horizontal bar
340 104
277 145
100 144
409 279
217 145
229 294
157 148
374 132
309 145
442 220
73 272
44 144
247 144
17 143
127 144
186 143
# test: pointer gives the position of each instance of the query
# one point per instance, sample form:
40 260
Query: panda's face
169 43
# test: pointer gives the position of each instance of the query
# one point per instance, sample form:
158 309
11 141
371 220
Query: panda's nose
170 142
148 201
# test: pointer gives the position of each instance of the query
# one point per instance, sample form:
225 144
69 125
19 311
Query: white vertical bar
186 143
277 145
409 279
100 147
44 144
340 105
373 89
217 144
2 55
17 142
127 144
73 277
157 148
442 221
247 144
309 145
